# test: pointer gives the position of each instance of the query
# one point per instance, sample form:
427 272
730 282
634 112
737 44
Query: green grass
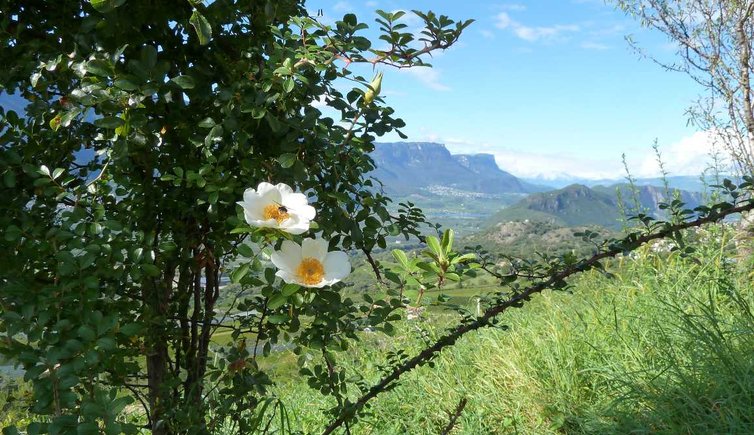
663 348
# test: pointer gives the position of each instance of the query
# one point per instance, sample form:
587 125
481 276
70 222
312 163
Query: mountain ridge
410 167
577 205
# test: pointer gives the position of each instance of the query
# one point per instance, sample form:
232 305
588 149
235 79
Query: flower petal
314 248
336 265
271 197
265 187
286 276
288 257
284 189
249 195
295 225
298 204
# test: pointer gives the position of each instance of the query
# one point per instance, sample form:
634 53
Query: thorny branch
630 243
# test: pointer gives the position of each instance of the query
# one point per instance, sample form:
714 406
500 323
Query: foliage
661 346
521 279
146 121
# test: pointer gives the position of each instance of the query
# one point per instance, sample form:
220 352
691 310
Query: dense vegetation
153 164
662 346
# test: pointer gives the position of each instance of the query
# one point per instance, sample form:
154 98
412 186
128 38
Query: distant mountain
412 167
692 183
578 205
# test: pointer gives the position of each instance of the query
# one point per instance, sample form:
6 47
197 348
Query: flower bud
374 89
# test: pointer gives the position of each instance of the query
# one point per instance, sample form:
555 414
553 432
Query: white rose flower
277 206
309 264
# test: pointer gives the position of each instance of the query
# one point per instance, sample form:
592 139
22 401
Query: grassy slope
665 347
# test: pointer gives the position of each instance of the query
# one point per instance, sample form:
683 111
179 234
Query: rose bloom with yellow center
277 206
310 264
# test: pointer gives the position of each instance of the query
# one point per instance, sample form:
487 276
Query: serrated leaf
202 27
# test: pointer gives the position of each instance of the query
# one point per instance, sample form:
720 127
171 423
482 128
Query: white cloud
504 20
430 77
534 34
551 166
513 7
372 4
689 156
590 45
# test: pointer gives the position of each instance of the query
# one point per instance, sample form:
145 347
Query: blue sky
547 86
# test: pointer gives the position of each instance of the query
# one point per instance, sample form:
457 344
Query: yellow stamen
277 212
310 271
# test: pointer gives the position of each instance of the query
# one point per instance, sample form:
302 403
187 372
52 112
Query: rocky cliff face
412 166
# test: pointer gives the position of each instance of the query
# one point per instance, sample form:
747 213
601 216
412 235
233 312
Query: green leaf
9 178
105 6
447 241
290 289
245 250
125 84
98 68
401 257
434 245
184 81
202 27
55 122
276 301
288 85
130 329
287 160
239 273
206 123
109 122
464 258
278 318
86 333
150 269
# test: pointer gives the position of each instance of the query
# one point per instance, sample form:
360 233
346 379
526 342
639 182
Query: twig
454 416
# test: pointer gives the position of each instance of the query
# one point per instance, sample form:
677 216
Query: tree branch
631 242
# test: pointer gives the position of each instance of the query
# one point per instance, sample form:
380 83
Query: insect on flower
277 206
